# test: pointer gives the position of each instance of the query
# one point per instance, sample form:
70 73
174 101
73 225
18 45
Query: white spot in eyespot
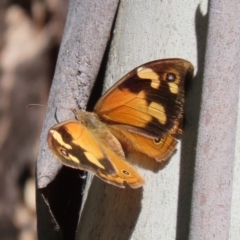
171 77
64 152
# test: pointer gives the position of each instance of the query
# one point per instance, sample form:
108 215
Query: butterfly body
141 113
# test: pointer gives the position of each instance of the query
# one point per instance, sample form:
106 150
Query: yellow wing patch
93 159
157 110
148 73
59 139
173 88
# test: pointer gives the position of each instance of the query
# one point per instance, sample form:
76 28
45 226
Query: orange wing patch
158 149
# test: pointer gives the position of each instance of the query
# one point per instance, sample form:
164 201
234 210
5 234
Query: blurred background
30 36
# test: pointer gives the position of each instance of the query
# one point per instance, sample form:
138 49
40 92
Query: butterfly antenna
35 105
42 105
55 116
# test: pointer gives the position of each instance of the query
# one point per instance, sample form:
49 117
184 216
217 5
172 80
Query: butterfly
142 113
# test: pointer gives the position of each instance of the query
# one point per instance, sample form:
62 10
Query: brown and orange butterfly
141 113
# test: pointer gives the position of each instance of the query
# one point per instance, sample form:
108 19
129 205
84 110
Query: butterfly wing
148 101
160 149
124 171
76 146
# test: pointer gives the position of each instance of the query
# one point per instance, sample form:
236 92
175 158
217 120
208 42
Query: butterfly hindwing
124 171
157 149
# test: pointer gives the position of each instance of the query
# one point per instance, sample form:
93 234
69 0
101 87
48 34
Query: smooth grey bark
145 31
215 152
86 34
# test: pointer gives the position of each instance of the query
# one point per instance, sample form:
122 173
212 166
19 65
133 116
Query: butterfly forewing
150 97
79 147
75 146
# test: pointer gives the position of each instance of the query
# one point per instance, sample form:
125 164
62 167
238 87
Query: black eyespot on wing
64 152
157 140
125 172
170 77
